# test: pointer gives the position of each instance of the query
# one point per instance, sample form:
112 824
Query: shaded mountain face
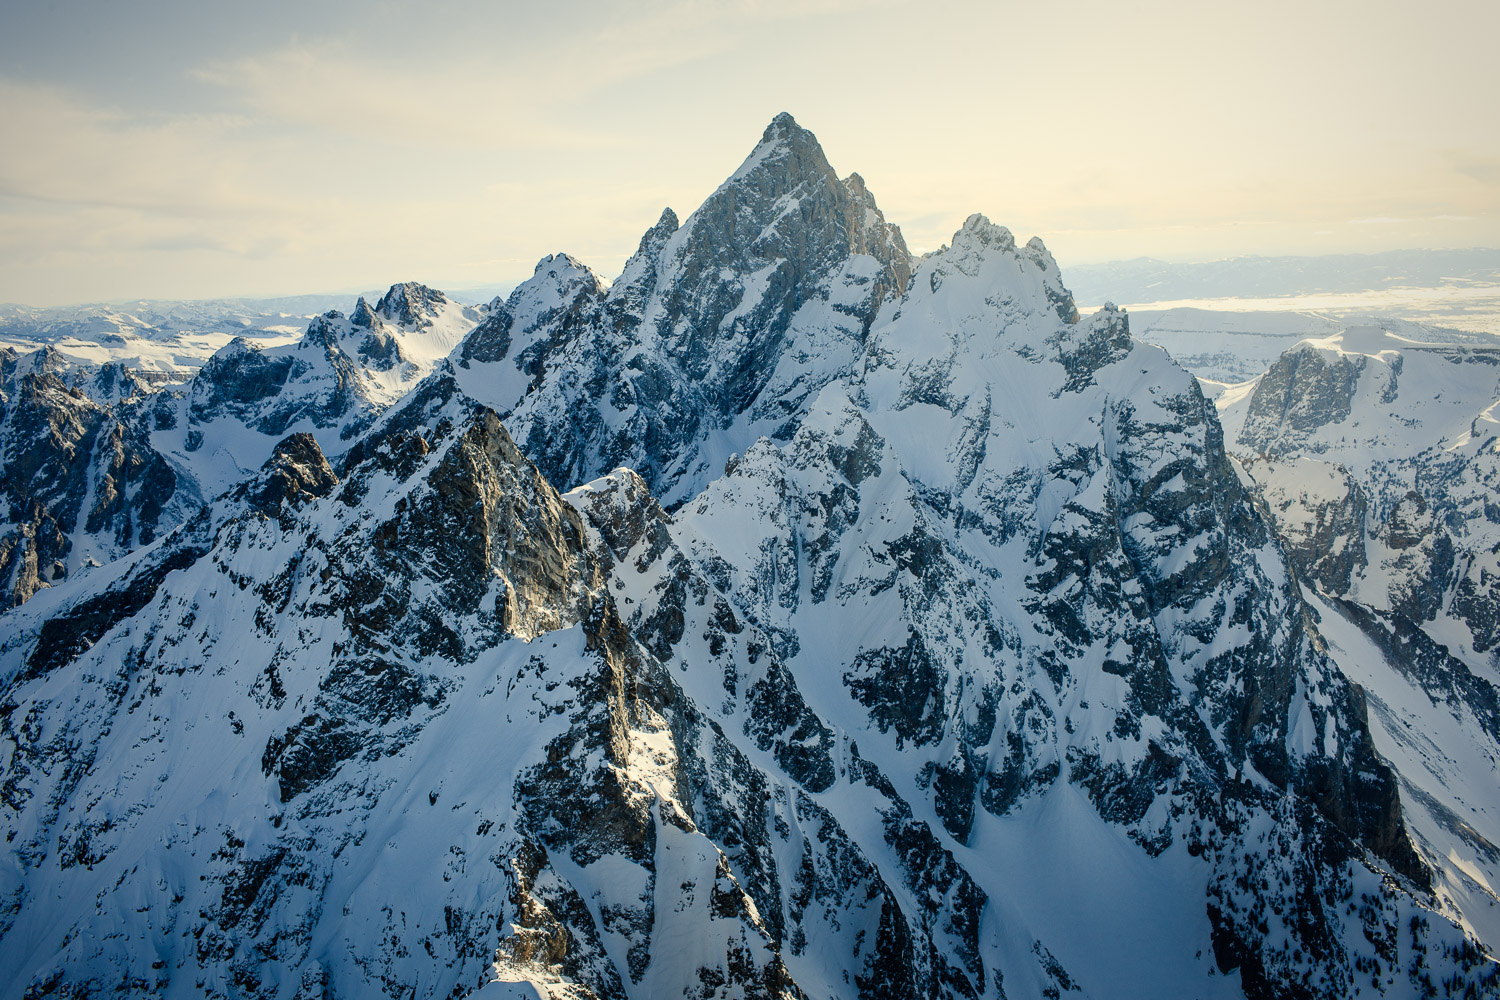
930 646
80 487
1375 457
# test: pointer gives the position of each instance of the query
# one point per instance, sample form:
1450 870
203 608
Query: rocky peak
656 237
78 488
362 333
856 185
717 331
318 379
1036 251
791 233
979 234
45 363
628 295
472 514
295 472
411 305
786 202
46 360
621 508
1305 390
561 290
111 384
786 157
653 241
326 330
363 315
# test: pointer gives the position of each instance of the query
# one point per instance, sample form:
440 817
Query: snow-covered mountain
1224 348
332 383
1376 457
901 633
716 333
99 461
81 487
1146 280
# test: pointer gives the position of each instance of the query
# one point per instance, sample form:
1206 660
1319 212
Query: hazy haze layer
172 150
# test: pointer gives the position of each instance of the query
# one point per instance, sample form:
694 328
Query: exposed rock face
1375 457
80 487
113 384
411 305
295 471
717 332
1303 392
933 647
1387 462
786 224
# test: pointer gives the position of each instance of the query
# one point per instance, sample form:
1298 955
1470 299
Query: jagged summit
979 231
557 264
782 125
786 156
984 266
362 315
411 304
560 282
715 332
784 131
657 235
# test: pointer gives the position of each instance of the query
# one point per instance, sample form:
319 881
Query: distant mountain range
1144 279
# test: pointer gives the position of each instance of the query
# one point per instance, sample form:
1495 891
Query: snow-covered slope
1439 726
1376 457
931 647
1379 458
163 339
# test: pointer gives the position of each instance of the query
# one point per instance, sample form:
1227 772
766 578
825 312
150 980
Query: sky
191 149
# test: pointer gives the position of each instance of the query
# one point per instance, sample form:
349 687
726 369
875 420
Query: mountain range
1145 279
788 617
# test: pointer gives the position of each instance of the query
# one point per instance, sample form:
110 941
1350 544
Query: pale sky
191 149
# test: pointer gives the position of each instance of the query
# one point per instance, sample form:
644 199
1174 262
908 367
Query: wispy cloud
508 93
